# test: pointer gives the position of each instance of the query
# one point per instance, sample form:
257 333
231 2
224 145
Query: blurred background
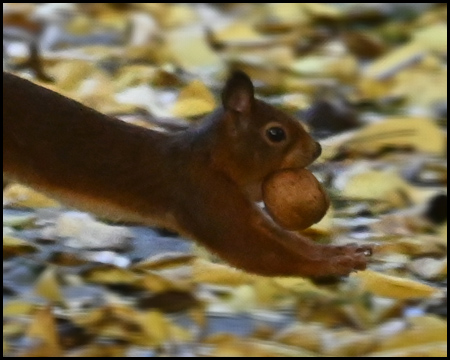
369 81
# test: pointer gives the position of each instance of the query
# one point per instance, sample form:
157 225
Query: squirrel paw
348 250
346 264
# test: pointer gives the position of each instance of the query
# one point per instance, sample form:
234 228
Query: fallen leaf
433 37
164 260
341 67
237 32
238 347
18 307
171 301
394 61
18 221
429 268
107 274
69 74
421 88
392 286
14 246
322 10
177 15
17 195
443 233
208 272
48 286
190 50
194 100
414 245
378 185
157 283
87 233
155 326
433 349
244 299
344 343
422 134
43 327
422 331
287 15
143 96
305 336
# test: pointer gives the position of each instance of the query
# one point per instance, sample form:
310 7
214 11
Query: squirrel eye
276 134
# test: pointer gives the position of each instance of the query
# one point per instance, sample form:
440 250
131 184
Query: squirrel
202 182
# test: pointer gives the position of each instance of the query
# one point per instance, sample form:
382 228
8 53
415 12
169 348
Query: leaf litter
370 79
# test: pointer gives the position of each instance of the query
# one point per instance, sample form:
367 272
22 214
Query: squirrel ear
238 93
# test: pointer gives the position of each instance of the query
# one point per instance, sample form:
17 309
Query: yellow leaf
110 275
414 246
194 100
345 342
13 328
92 318
301 286
21 196
432 349
43 327
243 299
394 61
421 87
14 246
101 350
375 184
443 233
180 334
134 75
421 331
191 51
18 307
324 226
432 37
155 282
164 260
48 287
429 268
18 220
287 14
80 25
419 133
241 347
392 286
199 316
322 10
208 272
178 15
306 336
237 31
155 326
369 88
343 67
69 74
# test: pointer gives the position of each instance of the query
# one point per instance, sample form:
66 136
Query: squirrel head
255 138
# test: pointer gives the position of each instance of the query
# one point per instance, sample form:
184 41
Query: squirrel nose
318 150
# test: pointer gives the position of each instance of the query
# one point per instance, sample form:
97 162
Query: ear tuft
238 93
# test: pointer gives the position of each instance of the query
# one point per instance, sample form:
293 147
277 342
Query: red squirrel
202 182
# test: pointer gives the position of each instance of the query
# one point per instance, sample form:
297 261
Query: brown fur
200 182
